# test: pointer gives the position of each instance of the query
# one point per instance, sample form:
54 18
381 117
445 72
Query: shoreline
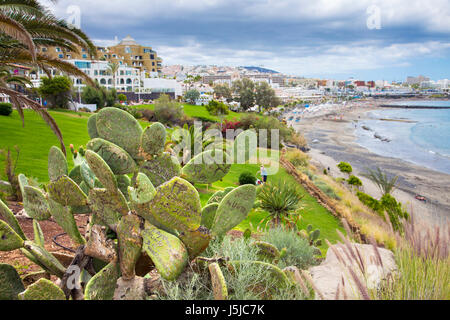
333 140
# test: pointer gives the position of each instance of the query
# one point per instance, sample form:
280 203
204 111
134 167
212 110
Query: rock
22 214
331 273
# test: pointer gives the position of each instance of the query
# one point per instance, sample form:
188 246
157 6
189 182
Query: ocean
420 136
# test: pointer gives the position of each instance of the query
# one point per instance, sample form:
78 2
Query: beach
332 136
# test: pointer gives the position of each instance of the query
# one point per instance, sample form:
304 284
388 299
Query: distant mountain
259 69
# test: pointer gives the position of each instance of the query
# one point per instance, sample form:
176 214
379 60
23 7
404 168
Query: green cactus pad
35 203
10 283
57 164
267 251
120 128
144 191
115 157
130 244
219 195
66 192
43 289
75 175
123 182
9 239
204 169
108 207
153 139
103 284
175 207
87 175
38 234
92 126
11 220
102 171
45 258
196 241
209 214
161 169
219 285
64 218
23 181
167 252
233 209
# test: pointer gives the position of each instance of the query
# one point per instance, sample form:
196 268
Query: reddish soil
50 229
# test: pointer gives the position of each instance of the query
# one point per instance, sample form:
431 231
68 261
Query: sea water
421 136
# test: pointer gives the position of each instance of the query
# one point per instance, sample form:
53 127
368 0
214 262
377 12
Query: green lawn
36 138
196 112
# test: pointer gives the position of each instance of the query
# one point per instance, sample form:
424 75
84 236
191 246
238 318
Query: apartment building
128 53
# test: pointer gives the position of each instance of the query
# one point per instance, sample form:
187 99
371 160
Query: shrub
247 178
298 251
345 167
167 111
149 115
297 158
122 97
327 190
370 202
354 181
5 109
217 108
394 210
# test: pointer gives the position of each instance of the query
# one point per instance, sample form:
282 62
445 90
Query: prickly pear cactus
9 239
143 192
10 283
234 208
92 126
219 285
35 203
207 167
43 289
219 195
103 284
209 214
57 164
120 128
130 244
153 139
101 170
117 158
66 192
11 220
161 169
267 251
64 218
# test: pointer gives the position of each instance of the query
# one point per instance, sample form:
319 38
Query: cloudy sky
365 39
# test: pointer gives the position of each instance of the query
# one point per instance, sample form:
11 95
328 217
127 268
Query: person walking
264 173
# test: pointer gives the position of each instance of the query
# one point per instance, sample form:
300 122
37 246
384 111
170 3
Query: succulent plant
156 216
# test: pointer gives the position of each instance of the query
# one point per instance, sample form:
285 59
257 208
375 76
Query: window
84 56
127 50
152 56
102 81
58 49
69 56
153 63
83 65
61 56
44 49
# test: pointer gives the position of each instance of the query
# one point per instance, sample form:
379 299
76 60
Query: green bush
370 202
217 108
122 97
5 109
345 167
247 178
297 158
394 210
354 181
298 251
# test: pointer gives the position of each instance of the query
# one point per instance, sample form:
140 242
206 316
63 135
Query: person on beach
264 173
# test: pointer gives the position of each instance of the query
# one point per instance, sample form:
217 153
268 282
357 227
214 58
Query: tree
112 69
265 96
217 108
101 97
191 96
167 110
223 91
57 91
380 178
122 97
245 89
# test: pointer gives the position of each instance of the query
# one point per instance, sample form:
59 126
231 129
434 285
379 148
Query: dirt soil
50 229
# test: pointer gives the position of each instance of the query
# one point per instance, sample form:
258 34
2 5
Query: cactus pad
66 192
108 207
9 239
153 139
167 252
233 209
267 251
75 175
11 220
103 284
117 158
161 169
219 285
45 258
64 218
38 234
120 128
209 214
92 126
57 164
207 167
35 203
123 182
130 244
87 175
144 191
102 171
10 283
98 246
196 241
43 289
219 195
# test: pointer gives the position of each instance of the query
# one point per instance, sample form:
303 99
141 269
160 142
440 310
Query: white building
162 85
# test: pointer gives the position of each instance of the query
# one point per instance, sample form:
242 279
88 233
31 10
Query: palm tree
113 67
24 26
380 178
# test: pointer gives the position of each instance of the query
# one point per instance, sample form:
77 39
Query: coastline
332 139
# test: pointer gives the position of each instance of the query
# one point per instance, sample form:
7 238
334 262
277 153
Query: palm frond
15 30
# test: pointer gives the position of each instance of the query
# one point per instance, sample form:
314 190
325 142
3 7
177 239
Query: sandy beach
331 137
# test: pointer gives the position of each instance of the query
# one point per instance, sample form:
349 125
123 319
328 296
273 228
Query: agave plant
25 25
279 199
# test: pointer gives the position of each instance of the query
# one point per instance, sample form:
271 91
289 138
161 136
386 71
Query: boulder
333 274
